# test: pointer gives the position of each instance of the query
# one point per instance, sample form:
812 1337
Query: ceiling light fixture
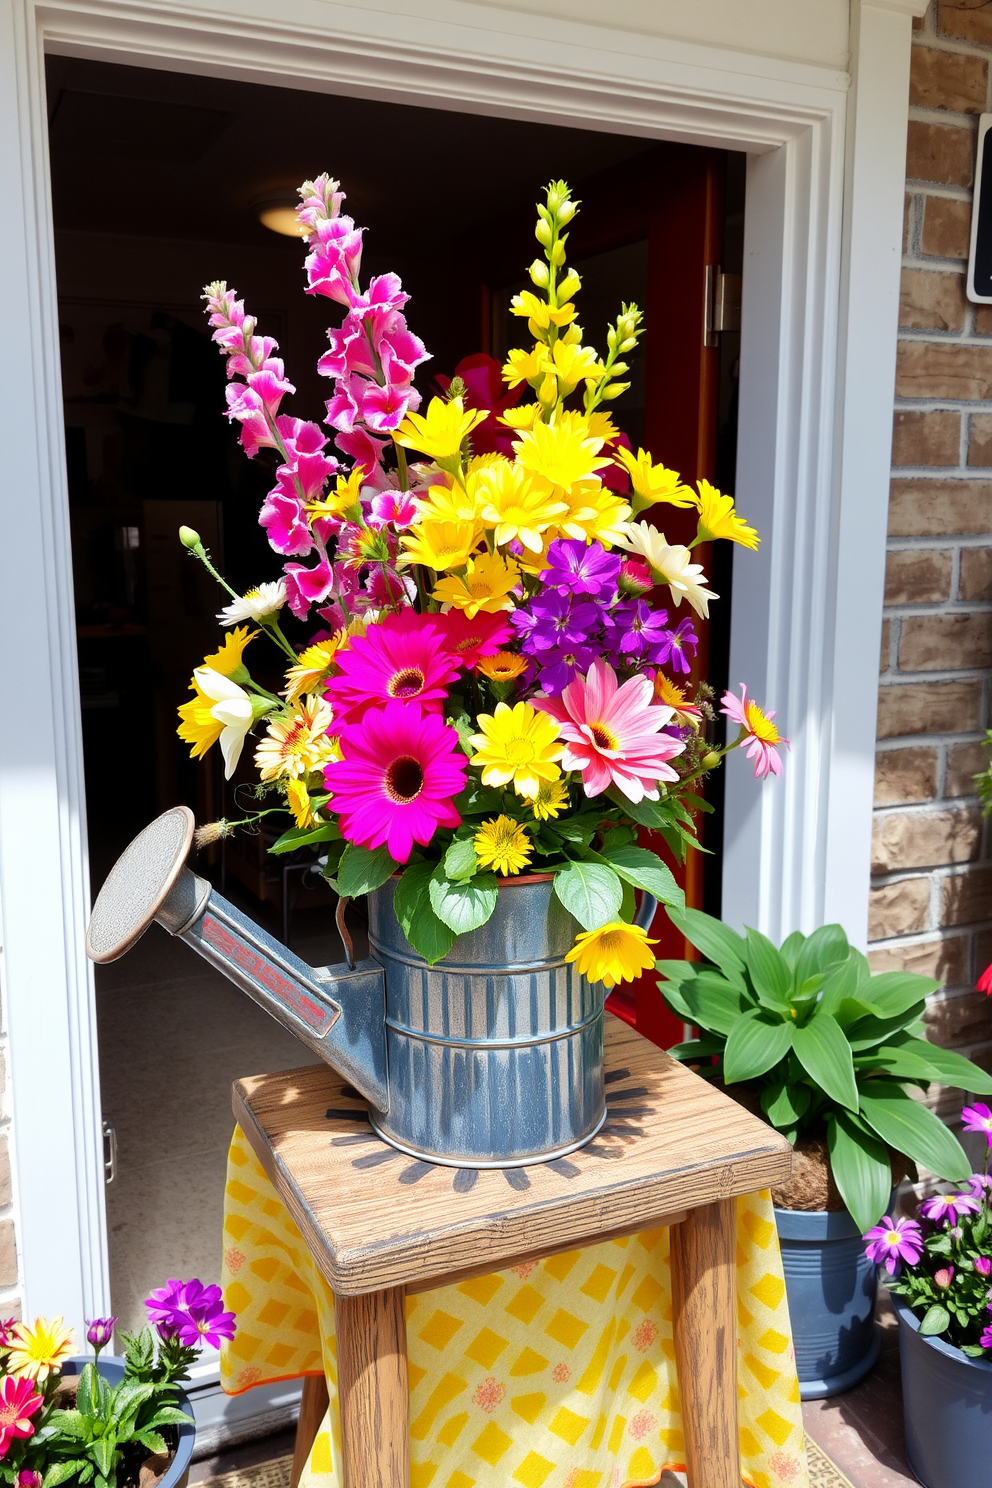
278 214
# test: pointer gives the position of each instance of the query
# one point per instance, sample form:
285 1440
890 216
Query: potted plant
105 1422
831 1056
940 1281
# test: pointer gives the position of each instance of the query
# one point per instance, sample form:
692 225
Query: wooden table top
374 1217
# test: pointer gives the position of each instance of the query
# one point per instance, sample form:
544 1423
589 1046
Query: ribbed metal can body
495 1054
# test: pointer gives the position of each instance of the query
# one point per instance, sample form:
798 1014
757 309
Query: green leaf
61 1472
823 949
712 1002
843 984
769 972
936 1320
672 997
700 1048
463 905
861 1168
715 940
169 1415
911 1128
785 1104
590 892
904 1062
825 1054
646 871
791 947
867 1032
304 836
104 1451
409 892
677 971
952 1069
577 830
755 1043
360 871
88 1391
428 935
460 860
892 992
152 1440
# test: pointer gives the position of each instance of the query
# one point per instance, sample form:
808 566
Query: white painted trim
801 442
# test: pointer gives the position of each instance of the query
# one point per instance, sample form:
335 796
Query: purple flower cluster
591 606
190 1312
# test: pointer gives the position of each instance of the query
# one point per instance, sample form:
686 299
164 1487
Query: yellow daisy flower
439 545
551 800
524 416
503 667
311 667
442 431
525 366
718 518
39 1349
685 714
299 803
344 498
485 585
601 426
228 660
617 952
502 845
457 503
564 452
594 511
652 482
574 364
517 746
517 506
297 744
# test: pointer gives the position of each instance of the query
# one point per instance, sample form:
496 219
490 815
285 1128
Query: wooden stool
674 1151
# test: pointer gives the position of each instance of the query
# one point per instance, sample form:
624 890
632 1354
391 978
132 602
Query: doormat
822 1472
271 1474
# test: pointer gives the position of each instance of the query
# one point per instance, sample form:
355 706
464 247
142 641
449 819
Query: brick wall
931 896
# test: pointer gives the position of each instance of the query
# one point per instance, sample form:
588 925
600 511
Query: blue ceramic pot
831 1289
947 1399
112 1370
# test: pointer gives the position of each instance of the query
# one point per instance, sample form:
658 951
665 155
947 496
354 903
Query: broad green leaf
590 892
645 870
843 984
463 906
578 830
868 1032
360 871
951 1069
823 949
677 971
824 1053
912 1129
785 1104
305 836
861 1168
103 1451
894 992
902 1064
152 1441
60 1472
770 974
791 947
713 1003
755 1044
169 1415
88 1391
715 940
700 1048
460 860
409 892
428 935
936 1320
672 996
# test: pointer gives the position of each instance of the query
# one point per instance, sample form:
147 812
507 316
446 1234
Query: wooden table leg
312 1407
373 1389
705 1326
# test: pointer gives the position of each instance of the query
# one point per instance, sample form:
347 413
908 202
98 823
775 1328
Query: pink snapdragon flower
308 586
611 733
893 1241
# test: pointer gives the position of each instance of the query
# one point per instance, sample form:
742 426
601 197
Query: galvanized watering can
492 1058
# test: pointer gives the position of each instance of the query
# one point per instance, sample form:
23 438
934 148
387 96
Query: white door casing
822 249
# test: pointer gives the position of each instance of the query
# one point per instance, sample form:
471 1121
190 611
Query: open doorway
156 192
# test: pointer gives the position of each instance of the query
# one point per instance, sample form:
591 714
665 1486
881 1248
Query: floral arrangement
944 1272
494 675
102 1433
829 1049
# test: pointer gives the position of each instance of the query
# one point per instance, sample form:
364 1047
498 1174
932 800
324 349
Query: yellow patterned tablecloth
557 1374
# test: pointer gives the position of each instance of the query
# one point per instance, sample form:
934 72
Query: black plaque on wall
980 257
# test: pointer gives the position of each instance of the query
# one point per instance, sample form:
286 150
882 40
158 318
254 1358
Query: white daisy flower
256 605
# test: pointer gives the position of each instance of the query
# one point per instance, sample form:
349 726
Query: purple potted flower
939 1273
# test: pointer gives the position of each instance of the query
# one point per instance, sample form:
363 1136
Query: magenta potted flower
939 1273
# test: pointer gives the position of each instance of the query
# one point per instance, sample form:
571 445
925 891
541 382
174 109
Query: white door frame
822 251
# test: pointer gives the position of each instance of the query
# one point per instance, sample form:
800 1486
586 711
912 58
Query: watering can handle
647 911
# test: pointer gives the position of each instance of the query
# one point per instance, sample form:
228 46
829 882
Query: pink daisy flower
889 1243
760 734
403 658
471 640
949 1207
395 786
611 733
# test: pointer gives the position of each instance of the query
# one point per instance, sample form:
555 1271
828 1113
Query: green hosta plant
834 1050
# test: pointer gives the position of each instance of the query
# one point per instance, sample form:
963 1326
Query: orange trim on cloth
551 1374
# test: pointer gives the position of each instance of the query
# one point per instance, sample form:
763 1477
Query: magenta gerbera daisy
611 733
403 658
471 640
395 786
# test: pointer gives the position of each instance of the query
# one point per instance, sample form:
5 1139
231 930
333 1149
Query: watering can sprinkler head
338 1012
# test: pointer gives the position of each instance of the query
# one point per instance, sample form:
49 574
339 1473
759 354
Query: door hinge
109 1152
722 304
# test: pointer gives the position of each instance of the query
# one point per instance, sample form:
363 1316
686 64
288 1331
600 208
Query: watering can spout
338 1012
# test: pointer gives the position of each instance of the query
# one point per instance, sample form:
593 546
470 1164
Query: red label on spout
268 977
